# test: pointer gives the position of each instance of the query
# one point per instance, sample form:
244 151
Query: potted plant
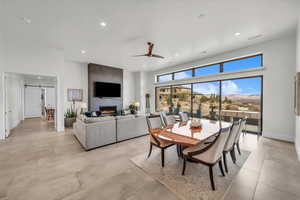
134 107
70 117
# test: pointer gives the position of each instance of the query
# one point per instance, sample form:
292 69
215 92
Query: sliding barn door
33 102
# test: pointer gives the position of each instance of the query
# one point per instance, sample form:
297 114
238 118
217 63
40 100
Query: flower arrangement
134 107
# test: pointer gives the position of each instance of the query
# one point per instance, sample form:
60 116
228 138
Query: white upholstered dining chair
184 117
168 120
155 124
241 130
229 145
208 154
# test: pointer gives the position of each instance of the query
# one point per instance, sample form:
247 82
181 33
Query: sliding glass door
206 100
242 98
181 98
163 99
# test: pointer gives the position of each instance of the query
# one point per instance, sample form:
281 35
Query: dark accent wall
100 73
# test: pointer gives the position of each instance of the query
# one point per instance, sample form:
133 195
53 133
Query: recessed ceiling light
26 20
176 54
237 34
39 77
83 51
201 15
103 24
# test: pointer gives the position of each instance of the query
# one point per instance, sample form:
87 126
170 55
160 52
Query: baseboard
297 146
278 136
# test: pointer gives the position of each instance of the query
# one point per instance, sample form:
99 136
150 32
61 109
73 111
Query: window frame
221 64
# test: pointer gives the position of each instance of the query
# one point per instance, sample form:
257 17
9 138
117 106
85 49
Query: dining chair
155 124
208 154
168 120
229 145
241 130
183 117
244 127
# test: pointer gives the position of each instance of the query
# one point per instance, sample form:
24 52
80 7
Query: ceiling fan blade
157 56
140 55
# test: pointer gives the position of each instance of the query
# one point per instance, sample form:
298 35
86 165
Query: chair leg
150 150
221 167
238 147
232 153
184 166
178 150
162 157
211 175
225 162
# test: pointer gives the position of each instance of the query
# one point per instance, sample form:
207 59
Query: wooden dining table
182 134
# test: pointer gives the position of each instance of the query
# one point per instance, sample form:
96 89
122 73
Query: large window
226 66
224 99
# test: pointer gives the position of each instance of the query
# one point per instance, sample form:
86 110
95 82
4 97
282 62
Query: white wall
297 139
32 102
15 100
140 89
279 61
129 88
2 125
75 77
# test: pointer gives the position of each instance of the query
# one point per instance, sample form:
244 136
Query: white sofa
130 127
97 133
100 131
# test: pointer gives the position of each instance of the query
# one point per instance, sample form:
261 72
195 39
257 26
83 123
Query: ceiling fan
150 54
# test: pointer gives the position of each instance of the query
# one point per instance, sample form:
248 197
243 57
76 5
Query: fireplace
108 110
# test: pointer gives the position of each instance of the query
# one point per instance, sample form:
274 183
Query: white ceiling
174 26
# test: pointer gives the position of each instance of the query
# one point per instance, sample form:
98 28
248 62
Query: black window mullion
171 97
192 98
221 67
220 99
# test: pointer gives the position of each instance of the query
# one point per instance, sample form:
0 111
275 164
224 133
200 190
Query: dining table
181 133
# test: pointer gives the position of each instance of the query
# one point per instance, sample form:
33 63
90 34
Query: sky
247 86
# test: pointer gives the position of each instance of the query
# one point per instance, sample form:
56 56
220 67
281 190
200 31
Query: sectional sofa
100 131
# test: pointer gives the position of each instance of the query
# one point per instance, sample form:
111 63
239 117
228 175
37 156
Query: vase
69 122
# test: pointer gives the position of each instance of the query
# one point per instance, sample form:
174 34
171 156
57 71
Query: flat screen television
102 89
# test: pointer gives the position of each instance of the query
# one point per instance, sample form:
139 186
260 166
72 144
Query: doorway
29 96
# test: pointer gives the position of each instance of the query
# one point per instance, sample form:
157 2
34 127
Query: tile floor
272 171
38 163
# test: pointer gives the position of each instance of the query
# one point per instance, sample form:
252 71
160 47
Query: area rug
195 185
